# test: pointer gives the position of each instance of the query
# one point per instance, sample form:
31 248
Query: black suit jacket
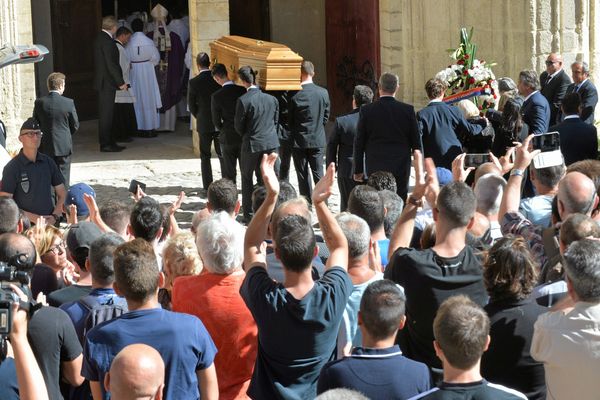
589 99
222 105
578 140
554 91
58 120
340 145
200 91
308 114
536 113
256 118
385 137
108 74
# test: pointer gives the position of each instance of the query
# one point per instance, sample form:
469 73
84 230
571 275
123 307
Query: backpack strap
89 302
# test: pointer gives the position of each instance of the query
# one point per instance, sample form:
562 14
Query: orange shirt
216 300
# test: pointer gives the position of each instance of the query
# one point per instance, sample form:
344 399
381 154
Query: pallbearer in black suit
386 136
256 118
340 145
308 114
580 71
578 140
200 92
58 121
554 82
108 78
535 109
223 115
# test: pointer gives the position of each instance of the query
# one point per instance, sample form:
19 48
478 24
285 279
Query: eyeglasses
58 248
549 63
32 133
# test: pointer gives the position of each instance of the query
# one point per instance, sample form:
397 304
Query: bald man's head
484 169
576 194
137 372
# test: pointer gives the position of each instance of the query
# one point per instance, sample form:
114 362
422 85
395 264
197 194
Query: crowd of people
478 282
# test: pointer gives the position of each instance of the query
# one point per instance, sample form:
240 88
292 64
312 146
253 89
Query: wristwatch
517 172
414 201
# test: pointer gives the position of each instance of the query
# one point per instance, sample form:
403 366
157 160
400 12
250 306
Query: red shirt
216 300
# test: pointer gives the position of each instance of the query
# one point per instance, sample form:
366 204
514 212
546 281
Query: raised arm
332 233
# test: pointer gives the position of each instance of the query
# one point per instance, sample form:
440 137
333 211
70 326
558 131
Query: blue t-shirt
384 246
181 340
295 337
376 373
538 210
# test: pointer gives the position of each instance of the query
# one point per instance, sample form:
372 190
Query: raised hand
322 189
459 172
523 156
267 167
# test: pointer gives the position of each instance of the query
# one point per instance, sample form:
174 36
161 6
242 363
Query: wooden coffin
277 66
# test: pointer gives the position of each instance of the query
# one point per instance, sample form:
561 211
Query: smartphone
476 159
546 142
133 185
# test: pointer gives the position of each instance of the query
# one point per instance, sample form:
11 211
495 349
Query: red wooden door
353 54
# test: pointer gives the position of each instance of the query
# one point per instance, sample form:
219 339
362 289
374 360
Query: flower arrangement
469 77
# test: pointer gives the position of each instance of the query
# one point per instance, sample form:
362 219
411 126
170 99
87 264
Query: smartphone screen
546 142
476 159
134 184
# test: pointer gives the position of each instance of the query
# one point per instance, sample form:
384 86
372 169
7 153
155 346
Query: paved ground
166 164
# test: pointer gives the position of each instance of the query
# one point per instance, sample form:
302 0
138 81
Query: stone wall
17 82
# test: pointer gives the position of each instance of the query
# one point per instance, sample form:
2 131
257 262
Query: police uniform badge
24 182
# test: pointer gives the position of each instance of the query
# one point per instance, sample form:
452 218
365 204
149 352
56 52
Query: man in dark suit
578 140
58 120
108 78
554 83
256 118
340 144
308 114
386 135
580 71
438 124
536 109
200 92
223 115
3 134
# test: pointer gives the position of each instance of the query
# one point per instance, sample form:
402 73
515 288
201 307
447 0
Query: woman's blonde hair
180 258
47 238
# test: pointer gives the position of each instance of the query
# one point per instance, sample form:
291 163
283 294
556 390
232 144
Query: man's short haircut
307 68
203 60
220 241
123 30
101 258
576 227
9 215
362 95
137 25
219 70
488 191
570 103
590 168
549 176
136 270
299 205
17 250
55 80
286 192
109 22
247 74
382 180
435 88
388 82
530 79
116 214
456 204
222 195
357 233
146 219
582 266
461 329
382 308
365 202
393 205
295 242
585 67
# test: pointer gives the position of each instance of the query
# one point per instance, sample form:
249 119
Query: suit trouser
106 106
346 185
303 159
285 155
206 140
250 164
231 157
64 164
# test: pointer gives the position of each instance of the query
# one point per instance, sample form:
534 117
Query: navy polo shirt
31 182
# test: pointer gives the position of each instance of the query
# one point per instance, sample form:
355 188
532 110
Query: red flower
466 56
466 72
460 62
495 97
471 80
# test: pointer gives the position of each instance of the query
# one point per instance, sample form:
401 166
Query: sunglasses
32 133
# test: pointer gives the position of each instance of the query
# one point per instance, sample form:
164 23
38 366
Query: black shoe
111 148
125 139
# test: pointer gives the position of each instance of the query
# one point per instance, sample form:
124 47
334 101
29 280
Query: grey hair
530 79
357 233
393 205
584 66
549 176
341 393
582 265
220 242
388 82
488 191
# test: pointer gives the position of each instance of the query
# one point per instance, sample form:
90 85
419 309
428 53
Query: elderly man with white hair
214 298
488 191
